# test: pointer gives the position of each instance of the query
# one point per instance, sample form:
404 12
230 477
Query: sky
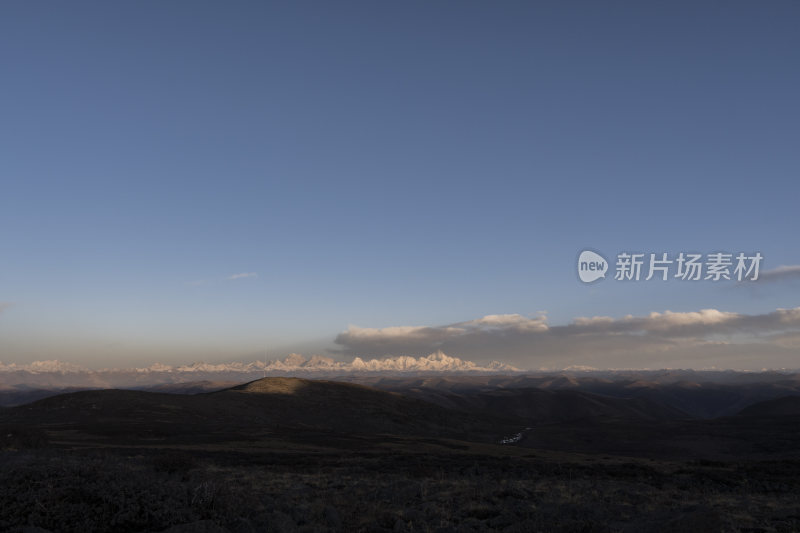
185 181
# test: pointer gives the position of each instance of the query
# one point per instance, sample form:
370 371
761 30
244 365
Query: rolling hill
265 408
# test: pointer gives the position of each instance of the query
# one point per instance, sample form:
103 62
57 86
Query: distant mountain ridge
58 373
253 410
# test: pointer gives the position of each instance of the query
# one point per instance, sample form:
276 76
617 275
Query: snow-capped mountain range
63 374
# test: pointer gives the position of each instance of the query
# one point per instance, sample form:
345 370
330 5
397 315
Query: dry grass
151 491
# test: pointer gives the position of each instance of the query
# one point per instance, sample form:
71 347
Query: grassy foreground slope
297 455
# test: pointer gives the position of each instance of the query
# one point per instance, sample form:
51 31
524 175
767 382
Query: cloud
782 273
514 322
601 340
244 275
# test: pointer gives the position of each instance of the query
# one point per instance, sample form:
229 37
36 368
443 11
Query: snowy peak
435 362
39 367
293 363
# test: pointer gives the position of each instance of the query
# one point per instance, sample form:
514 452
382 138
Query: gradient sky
380 164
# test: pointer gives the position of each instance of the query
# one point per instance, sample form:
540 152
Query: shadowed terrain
287 454
263 408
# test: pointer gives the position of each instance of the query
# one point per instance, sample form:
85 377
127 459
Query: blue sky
379 165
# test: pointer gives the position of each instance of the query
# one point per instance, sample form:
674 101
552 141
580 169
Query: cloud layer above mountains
704 338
